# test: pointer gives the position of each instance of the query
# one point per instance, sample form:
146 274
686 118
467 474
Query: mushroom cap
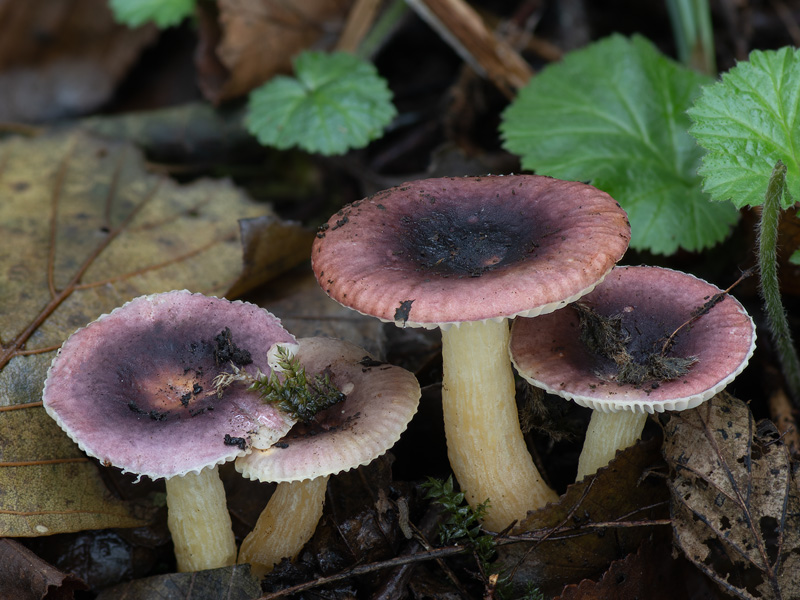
380 401
438 252
135 387
653 302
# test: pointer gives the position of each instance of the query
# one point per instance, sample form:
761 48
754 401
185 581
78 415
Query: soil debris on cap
608 337
226 351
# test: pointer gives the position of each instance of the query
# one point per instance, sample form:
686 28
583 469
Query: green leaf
164 13
747 122
334 103
614 113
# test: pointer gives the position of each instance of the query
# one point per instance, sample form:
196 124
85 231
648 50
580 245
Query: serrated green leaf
614 113
747 122
164 13
334 103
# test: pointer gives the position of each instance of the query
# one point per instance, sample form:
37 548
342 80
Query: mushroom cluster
135 389
141 389
465 255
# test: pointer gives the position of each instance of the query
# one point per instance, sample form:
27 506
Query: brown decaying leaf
304 309
231 583
62 58
260 37
735 503
271 247
24 576
575 548
651 573
83 229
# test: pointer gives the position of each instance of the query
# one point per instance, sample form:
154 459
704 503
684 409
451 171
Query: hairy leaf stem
770 289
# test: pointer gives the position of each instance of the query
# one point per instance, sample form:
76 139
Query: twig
707 306
560 531
369 568
359 21
461 27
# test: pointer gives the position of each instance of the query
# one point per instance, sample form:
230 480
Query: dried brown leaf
83 229
271 247
581 540
735 503
231 583
306 311
24 576
259 38
650 573
62 58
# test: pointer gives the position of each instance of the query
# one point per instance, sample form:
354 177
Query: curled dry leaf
581 538
735 503
650 573
305 310
231 583
83 229
258 39
60 59
25 576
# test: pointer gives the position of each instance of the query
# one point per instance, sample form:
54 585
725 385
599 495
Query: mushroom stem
199 521
285 525
484 442
607 433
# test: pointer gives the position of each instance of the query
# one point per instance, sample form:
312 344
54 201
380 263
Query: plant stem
694 36
770 289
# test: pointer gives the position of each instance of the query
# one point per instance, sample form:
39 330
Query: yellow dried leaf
83 229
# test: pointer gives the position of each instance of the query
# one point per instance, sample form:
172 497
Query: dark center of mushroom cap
449 240
163 377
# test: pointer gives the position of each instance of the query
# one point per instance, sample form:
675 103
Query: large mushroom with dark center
646 340
465 255
135 389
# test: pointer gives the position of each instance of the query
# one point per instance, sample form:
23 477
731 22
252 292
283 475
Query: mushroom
135 390
465 255
380 401
675 341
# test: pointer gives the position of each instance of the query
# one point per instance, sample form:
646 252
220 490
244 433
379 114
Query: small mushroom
672 341
135 390
380 401
465 255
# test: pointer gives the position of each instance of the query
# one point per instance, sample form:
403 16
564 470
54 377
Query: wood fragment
359 21
461 27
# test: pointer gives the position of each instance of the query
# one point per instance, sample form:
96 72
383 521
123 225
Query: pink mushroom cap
653 302
380 401
135 387
436 252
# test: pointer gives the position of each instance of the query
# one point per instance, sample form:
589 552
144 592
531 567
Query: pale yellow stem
199 521
285 525
484 442
607 433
